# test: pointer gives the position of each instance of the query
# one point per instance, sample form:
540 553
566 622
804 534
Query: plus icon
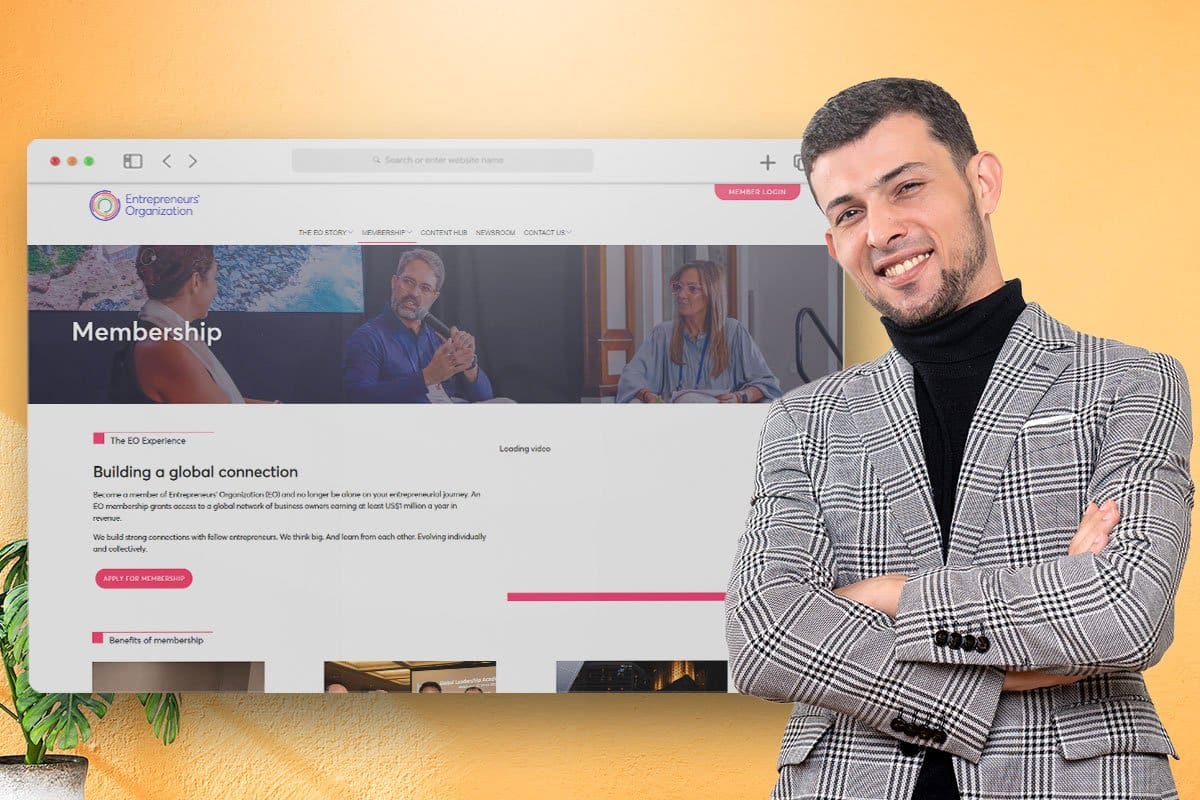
767 162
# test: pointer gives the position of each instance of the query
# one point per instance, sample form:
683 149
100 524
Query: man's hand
463 342
1028 681
881 593
647 396
1094 529
443 364
463 353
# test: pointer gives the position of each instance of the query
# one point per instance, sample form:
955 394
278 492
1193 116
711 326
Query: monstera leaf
162 712
14 623
14 630
57 721
14 557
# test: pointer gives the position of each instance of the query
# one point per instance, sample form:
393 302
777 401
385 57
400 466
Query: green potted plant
52 721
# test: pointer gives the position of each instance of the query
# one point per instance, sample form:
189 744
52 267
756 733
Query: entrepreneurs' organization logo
104 205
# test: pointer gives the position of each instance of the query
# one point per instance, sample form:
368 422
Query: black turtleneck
952 358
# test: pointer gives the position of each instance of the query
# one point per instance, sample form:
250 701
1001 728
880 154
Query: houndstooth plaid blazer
842 493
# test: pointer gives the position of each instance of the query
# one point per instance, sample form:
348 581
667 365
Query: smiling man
960 557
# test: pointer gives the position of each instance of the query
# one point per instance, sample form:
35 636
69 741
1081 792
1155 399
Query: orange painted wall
1091 106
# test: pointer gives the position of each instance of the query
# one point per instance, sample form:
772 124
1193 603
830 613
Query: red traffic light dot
54 161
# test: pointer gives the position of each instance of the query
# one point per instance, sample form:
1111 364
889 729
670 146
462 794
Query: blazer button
910 749
924 732
940 638
955 641
982 644
939 737
968 643
899 725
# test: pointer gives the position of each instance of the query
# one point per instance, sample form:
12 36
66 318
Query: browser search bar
443 160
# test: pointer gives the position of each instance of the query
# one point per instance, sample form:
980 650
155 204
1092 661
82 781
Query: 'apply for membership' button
144 578
757 191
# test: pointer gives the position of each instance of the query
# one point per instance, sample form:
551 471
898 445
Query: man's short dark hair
851 113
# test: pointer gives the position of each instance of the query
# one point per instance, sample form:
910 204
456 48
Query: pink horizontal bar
163 433
616 597
159 631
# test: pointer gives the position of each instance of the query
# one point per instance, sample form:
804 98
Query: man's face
904 222
414 288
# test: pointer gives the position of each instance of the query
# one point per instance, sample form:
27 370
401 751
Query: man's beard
956 281
405 313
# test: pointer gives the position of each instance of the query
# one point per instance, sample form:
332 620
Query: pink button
144 578
757 191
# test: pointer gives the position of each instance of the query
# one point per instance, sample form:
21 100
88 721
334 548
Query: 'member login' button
757 191
144 578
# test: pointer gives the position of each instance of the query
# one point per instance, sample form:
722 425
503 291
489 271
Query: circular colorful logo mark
105 205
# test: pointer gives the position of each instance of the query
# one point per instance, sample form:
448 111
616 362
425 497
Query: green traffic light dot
88 161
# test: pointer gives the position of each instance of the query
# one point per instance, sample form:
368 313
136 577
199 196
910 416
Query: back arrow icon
167 160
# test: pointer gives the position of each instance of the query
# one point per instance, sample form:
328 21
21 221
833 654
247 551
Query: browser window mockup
399 415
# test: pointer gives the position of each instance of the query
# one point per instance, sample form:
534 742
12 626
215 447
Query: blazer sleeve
1089 612
792 639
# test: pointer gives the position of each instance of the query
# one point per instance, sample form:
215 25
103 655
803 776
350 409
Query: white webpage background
630 499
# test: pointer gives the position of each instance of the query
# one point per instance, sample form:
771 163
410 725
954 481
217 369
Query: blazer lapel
883 406
1030 361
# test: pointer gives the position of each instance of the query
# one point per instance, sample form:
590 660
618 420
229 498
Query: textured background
1091 106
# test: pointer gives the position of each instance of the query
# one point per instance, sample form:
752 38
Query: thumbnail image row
410 677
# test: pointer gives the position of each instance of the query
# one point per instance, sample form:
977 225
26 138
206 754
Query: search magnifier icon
376 159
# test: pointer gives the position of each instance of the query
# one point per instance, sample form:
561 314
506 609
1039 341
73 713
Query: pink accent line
160 631
616 597
160 433
377 242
